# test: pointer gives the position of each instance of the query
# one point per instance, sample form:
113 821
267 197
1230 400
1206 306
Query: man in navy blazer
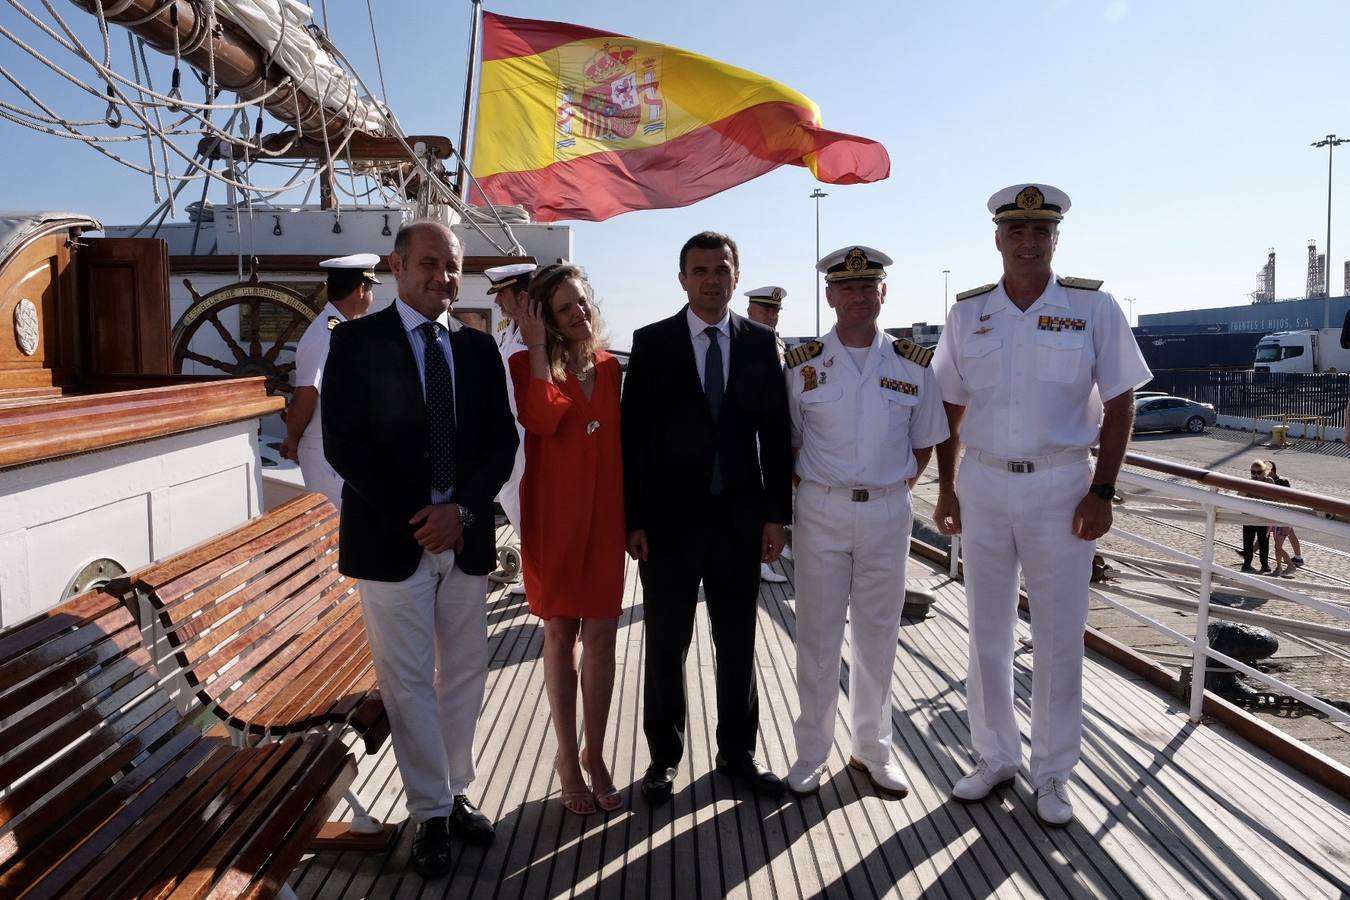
416 421
707 469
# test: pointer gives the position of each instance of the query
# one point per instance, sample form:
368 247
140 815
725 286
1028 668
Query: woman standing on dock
572 528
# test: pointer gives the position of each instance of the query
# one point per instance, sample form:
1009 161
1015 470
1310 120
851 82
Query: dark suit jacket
669 436
375 437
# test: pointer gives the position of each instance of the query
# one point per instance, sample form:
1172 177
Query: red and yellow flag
575 123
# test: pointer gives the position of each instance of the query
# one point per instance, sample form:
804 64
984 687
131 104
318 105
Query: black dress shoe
468 824
750 773
658 784
431 849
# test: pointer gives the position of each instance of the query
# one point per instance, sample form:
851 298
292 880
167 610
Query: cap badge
778 293
856 260
1030 198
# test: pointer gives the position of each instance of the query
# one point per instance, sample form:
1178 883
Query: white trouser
428 637
850 564
318 474
1009 518
509 497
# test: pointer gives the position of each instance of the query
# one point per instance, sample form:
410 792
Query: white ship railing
1174 492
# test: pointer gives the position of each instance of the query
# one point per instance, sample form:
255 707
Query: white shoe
1053 804
766 573
517 589
982 782
787 553
804 779
885 777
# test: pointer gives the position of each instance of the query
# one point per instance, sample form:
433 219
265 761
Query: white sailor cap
516 275
1029 201
365 263
770 295
851 263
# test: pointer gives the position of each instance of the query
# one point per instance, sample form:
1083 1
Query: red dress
572 536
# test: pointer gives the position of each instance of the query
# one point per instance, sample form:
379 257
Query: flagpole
470 85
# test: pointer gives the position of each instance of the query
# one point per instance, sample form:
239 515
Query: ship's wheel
271 316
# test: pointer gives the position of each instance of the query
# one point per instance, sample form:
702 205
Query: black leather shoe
658 784
750 773
468 824
431 849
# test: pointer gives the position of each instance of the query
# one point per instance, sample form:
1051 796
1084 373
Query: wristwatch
466 518
1105 490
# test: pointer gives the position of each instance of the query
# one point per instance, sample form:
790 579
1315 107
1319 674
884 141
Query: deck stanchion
1201 649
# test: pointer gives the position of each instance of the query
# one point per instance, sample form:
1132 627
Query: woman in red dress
572 524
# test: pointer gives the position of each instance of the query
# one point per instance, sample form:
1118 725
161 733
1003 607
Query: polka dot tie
440 408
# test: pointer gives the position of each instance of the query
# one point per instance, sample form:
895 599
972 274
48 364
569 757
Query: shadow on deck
1165 808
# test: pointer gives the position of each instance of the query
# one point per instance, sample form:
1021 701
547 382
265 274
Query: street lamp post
945 273
1130 315
816 195
1331 142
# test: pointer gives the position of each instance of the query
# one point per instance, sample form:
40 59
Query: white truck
1306 350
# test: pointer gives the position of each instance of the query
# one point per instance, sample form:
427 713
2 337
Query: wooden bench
265 630
267 634
110 791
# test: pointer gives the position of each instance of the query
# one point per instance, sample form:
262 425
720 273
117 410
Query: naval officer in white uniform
866 412
1035 370
510 288
764 306
349 297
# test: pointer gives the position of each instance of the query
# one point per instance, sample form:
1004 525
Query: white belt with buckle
1030 464
862 495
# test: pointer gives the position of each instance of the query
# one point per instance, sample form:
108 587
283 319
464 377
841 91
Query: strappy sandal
608 799
580 802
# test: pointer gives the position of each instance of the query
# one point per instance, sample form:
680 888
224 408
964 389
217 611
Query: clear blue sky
1180 130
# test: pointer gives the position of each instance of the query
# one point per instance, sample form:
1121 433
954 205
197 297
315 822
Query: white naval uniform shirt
858 428
310 356
509 343
1032 382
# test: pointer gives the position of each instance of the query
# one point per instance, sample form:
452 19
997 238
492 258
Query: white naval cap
515 275
851 263
769 295
365 263
1029 201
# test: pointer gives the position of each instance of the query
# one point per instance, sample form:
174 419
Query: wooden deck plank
1164 809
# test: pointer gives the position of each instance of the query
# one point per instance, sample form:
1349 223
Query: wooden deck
1165 809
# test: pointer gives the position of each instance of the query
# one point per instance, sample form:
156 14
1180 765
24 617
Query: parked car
1140 395
1173 414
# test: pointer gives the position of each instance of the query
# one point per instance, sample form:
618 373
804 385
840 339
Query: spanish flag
575 123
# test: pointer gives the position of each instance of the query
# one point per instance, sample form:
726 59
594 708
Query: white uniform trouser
509 497
1009 518
428 637
850 564
318 474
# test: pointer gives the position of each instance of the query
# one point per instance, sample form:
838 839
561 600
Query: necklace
582 374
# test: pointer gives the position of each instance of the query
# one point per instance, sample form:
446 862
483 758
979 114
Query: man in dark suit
707 491
416 422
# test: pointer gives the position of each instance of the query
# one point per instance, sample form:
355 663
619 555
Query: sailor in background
349 297
866 412
510 286
764 306
1035 370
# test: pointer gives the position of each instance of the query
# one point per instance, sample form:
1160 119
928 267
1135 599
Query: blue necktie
440 409
713 388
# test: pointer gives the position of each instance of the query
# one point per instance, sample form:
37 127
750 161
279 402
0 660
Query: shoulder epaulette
1083 284
975 292
802 352
907 349
333 322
